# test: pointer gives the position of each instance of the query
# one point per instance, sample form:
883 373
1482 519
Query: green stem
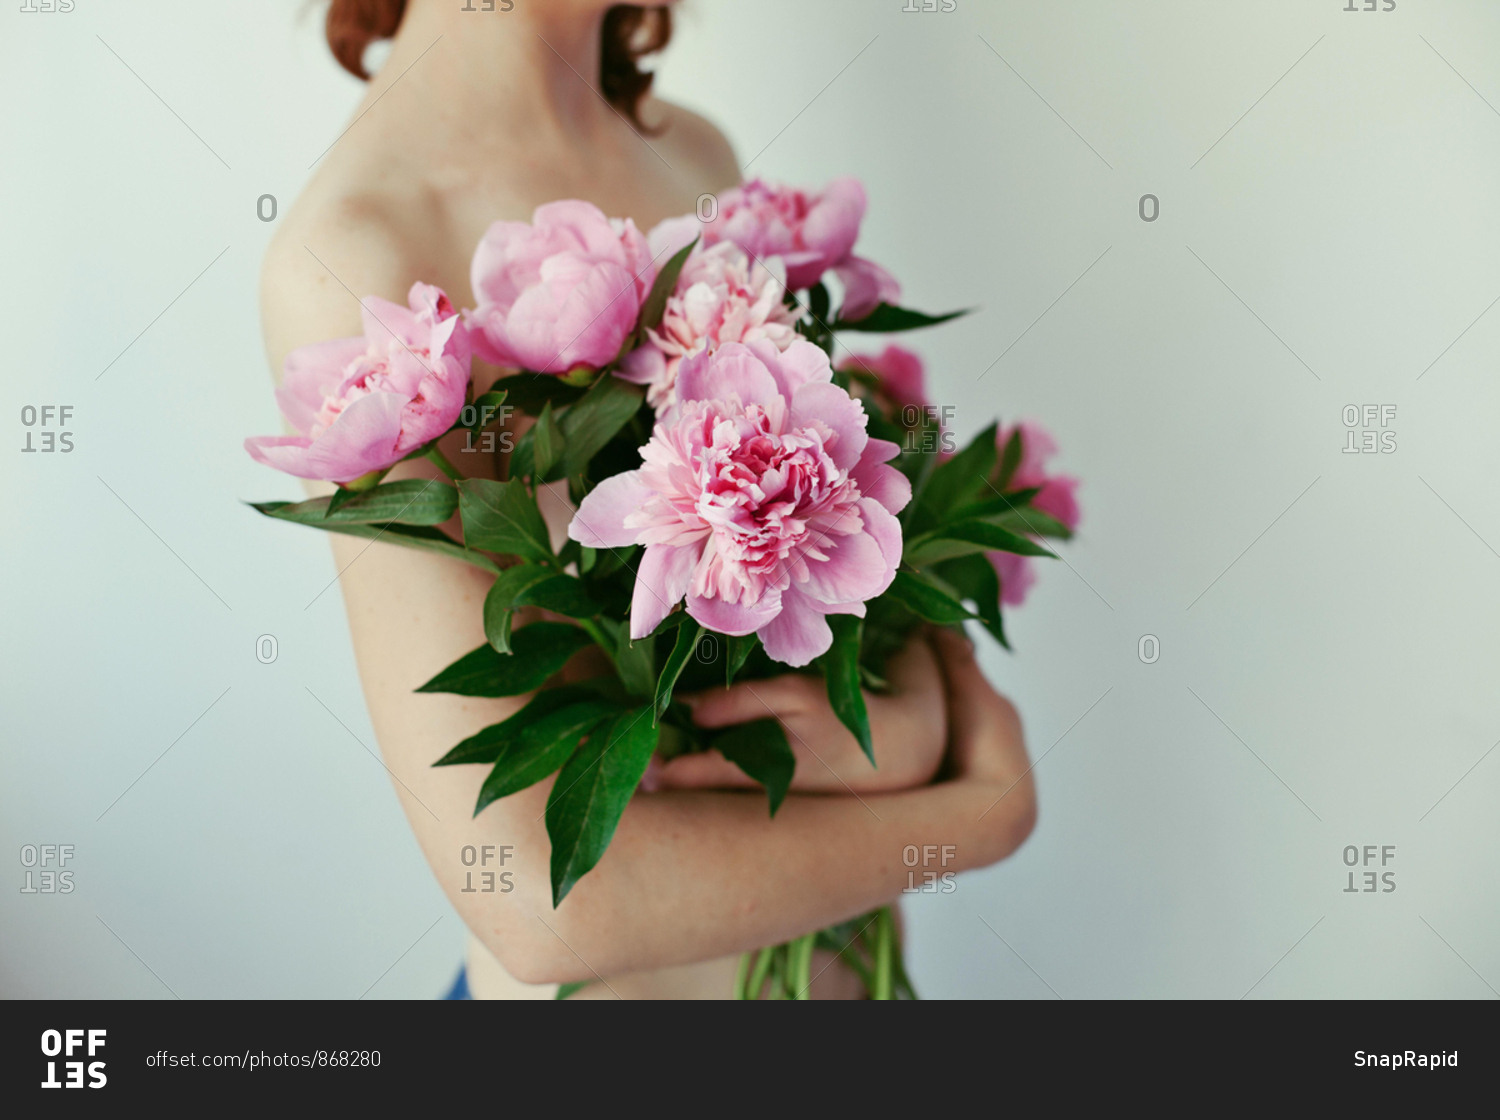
592 629
742 976
442 463
758 973
884 938
801 965
778 972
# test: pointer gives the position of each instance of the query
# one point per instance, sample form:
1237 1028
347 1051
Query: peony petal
866 286
643 365
364 438
312 373
735 619
578 315
882 483
821 402
802 363
733 370
284 453
660 582
856 569
600 520
1016 576
671 235
1058 498
885 530
386 322
798 633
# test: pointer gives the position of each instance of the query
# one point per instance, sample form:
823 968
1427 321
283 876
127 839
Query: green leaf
593 421
841 674
738 650
974 577
409 536
546 442
636 662
486 410
959 479
996 505
661 289
412 501
970 536
503 517
1010 459
486 745
541 749
568 989
591 793
528 392
1031 522
888 318
817 302
537 651
560 594
925 599
338 498
760 749
501 601
682 649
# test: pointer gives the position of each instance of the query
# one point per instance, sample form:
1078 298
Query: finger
783 697
702 770
984 728
913 667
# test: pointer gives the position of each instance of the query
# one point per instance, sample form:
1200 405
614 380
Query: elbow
1012 820
531 963
538 951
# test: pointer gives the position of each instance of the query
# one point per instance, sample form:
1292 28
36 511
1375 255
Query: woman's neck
536 65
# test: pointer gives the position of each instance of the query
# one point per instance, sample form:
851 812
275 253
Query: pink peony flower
811 233
561 293
721 296
760 498
362 404
903 380
1057 497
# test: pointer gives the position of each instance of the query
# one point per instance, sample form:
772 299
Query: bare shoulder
696 141
332 249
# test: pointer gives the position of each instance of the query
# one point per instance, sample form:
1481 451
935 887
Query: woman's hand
907 728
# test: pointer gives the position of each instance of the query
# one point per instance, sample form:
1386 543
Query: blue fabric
460 989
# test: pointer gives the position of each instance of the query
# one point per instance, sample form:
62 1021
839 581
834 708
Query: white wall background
1344 665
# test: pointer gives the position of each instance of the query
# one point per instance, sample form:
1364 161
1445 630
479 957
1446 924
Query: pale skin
493 121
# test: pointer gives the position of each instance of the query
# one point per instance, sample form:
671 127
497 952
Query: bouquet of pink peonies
742 506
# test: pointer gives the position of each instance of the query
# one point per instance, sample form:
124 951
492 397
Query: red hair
629 34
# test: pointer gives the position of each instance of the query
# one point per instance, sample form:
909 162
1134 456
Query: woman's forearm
693 875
